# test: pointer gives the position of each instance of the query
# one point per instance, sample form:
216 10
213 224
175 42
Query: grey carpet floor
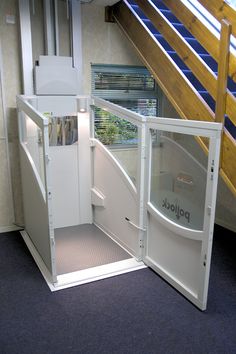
85 246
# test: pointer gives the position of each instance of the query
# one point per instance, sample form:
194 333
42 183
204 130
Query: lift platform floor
85 246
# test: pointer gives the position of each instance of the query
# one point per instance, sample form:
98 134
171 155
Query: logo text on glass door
176 209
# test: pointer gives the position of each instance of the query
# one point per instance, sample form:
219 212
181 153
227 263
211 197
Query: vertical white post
48 191
84 165
49 28
209 218
76 39
26 47
141 187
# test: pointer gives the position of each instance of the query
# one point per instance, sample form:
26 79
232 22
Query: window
132 87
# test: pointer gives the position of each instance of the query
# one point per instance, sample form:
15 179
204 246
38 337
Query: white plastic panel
65 187
121 200
56 76
57 105
35 210
183 264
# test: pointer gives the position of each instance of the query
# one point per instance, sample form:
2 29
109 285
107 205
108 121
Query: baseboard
10 228
225 225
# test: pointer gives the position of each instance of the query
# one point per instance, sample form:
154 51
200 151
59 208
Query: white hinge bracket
143 153
53 241
209 210
92 143
47 158
141 244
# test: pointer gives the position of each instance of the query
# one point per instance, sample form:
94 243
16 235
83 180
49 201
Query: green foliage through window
111 130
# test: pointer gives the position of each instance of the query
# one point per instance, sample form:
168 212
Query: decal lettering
176 209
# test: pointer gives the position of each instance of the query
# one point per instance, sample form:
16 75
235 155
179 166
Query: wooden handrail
203 34
199 68
220 9
223 69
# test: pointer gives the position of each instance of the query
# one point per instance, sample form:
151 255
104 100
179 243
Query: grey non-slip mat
85 246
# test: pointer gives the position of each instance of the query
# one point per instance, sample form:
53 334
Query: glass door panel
178 179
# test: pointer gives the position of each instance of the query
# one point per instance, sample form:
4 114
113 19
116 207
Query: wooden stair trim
223 69
190 57
220 9
194 25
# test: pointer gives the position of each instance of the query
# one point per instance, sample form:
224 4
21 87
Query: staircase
193 64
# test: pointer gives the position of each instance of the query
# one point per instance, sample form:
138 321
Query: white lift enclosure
137 187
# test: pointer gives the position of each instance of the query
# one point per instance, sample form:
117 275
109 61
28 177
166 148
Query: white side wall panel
121 201
36 211
65 189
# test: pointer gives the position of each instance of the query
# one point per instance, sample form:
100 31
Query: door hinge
47 158
141 244
53 242
92 142
209 210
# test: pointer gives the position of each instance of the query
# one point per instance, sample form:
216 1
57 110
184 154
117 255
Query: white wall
102 43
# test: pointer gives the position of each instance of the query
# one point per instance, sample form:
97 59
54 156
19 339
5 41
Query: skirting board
228 226
83 276
10 228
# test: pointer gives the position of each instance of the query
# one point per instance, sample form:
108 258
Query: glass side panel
34 145
178 178
143 106
120 137
63 130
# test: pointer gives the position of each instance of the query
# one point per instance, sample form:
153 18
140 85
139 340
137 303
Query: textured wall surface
102 43
11 87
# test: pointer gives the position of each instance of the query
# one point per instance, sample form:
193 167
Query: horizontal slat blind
128 86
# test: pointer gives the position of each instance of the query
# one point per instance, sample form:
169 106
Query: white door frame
213 132
24 108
